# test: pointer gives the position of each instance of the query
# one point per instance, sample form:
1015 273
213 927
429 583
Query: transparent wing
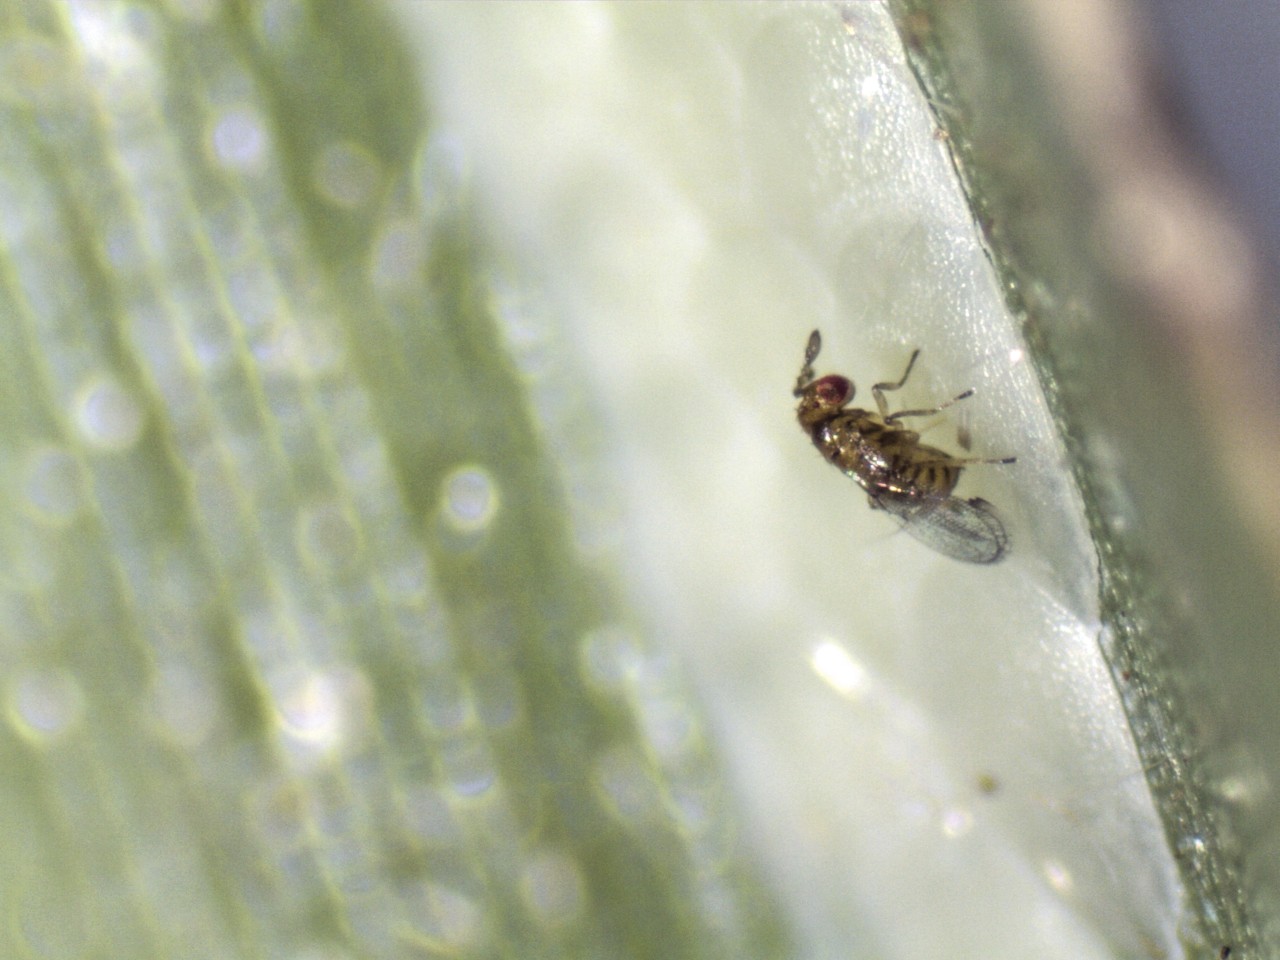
967 530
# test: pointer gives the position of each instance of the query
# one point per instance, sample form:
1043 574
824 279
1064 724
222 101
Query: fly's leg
964 461
878 390
811 351
926 412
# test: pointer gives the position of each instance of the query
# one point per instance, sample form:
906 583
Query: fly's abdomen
927 473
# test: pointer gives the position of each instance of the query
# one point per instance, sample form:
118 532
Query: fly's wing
967 530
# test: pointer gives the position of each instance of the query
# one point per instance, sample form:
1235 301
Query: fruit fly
905 478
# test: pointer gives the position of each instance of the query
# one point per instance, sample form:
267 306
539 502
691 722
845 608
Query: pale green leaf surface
933 754
302 654
359 359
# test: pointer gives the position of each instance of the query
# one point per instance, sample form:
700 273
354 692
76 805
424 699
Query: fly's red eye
833 390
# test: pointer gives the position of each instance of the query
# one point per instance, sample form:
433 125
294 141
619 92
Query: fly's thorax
850 440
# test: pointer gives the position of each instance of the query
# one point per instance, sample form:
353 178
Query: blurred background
410 551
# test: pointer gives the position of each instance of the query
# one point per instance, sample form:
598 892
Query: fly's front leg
878 390
930 411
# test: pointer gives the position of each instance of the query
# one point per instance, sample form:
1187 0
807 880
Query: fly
907 479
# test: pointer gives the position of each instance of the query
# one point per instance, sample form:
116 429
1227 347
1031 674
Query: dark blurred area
1219 64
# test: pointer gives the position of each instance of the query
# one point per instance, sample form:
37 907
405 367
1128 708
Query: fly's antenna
811 351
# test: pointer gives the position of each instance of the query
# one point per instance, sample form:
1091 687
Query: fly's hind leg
964 461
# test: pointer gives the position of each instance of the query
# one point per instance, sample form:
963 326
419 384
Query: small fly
905 478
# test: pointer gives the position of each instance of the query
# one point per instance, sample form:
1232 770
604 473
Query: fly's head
823 399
